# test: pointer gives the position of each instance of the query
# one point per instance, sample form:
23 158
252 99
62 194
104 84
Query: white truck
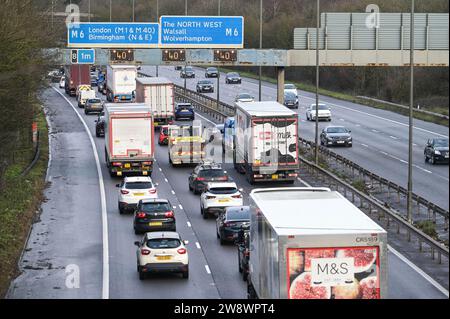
84 95
129 139
312 243
266 142
159 94
121 83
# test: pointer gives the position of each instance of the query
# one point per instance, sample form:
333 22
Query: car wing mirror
136 243
96 121
241 190
117 185
186 242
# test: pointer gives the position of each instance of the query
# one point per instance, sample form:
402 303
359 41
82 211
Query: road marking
198 245
358 125
342 120
189 224
173 192
174 207
166 180
208 270
419 271
393 137
423 169
375 131
48 178
303 182
160 169
181 207
105 279
384 153
365 145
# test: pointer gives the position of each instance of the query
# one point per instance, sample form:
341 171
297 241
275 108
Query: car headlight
437 152
349 138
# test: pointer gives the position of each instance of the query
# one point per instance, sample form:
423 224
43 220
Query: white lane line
173 192
189 224
375 131
198 245
105 280
380 118
181 207
160 169
393 137
419 271
423 169
208 270
48 178
342 120
174 207
365 145
384 153
358 125
303 182
166 180
414 144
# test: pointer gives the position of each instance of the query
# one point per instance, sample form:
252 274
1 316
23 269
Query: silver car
93 105
323 112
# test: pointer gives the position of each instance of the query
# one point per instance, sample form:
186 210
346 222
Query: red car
163 135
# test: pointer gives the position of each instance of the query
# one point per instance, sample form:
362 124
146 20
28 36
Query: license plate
127 165
139 194
163 257
274 176
341 142
155 224
224 200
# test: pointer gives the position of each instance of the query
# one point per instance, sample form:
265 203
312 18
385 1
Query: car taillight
223 178
116 164
141 215
147 163
246 253
145 252
210 197
181 251
293 175
237 196
124 192
200 179
152 191
169 214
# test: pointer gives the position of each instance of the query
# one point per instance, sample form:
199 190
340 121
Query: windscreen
156 207
163 243
211 173
138 185
238 214
337 130
333 273
441 143
223 190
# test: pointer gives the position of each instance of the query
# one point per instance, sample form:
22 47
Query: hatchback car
162 252
436 151
244 97
233 78
336 136
324 112
93 105
163 135
290 100
230 222
62 82
184 111
154 215
211 72
132 190
205 86
187 72
100 125
290 88
205 173
218 196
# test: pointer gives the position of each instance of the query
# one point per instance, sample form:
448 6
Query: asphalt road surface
380 137
71 231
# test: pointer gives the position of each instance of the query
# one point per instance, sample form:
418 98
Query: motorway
78 226
380 137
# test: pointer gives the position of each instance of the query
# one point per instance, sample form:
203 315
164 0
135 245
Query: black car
100 125
205 173
154 215
336 136
211 73
290 100
205 86
184 111
178 67
436 151
187 72
229 223
243 246
233 77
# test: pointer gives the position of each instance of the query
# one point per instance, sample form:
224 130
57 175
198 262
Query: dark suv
187 72
230 222
436 151
205 86
184 111
204 174
211 72
154 215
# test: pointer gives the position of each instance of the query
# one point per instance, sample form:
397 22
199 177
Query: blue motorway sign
112 35
201 32
83 56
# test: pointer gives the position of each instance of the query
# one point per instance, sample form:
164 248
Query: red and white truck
266 142
75 75
129 139
158 93
312 243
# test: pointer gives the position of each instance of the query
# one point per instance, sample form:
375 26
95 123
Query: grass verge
349 98
19 201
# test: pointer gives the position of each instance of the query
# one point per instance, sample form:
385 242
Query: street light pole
185 62
110 10
218 69
89 9
133 11
260 43
316 153
157 20
411 106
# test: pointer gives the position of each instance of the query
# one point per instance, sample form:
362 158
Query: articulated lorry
159 94
75 75
121 83
266 142
186 144
129 139
312 243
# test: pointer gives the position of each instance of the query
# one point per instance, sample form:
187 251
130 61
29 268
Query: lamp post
157 20
411 106
218 69
316 153
185 63
260 44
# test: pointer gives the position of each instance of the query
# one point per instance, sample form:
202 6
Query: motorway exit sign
82 56
201 32
112 35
